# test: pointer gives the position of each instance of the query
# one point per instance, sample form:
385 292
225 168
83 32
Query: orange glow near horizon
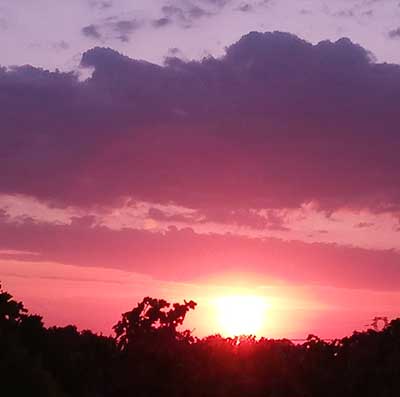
241 314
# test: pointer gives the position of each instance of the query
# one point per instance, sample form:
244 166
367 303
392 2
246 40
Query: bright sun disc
241 315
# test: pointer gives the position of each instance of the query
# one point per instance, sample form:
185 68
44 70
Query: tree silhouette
152 317
150 356
21 344
11 311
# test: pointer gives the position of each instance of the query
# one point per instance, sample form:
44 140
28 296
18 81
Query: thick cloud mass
274 123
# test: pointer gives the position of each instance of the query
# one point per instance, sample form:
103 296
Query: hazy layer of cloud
182 255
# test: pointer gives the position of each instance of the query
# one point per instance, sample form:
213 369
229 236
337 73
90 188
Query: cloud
362 225
368 13
246 7
174 51
394 33
182 255
91 31
186 14
112 28
161 22
274 123
357 9
348 13
218 3
61 45
266 220
101 4
159 215
124 28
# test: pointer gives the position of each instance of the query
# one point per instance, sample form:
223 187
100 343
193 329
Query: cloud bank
183 255
275 122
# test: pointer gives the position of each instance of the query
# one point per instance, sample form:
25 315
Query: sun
241 315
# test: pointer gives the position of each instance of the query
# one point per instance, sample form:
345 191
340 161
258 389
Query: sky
200 149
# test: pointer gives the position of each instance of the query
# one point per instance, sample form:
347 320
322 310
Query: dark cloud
274 123
91 31
186 256
218 3
101 4
357 9
171 10
239 217
245 7
161 216
174 51
161 22
61 45
124 28
112 28
362 225
195 12
348 13
173 13
187 13
368 13
394 33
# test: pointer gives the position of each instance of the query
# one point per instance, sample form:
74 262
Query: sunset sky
198 150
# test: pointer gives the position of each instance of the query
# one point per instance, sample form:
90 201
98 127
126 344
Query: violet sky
188 149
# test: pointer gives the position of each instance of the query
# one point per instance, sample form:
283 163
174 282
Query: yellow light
241 315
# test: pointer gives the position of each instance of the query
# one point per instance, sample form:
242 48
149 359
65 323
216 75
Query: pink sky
95 298
177 155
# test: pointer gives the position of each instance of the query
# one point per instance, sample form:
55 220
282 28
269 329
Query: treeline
149 357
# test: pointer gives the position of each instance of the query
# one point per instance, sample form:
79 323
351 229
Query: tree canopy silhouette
150 356
150 318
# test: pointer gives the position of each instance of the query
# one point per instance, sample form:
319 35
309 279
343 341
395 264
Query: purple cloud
91 31
161 22
246 7
273 123
124 28
112 27
394 33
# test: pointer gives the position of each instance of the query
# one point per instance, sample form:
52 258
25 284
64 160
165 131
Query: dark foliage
149 356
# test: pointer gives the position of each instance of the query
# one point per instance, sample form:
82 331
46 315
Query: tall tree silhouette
152 317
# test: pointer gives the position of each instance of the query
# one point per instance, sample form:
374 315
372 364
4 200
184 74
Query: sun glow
241 315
